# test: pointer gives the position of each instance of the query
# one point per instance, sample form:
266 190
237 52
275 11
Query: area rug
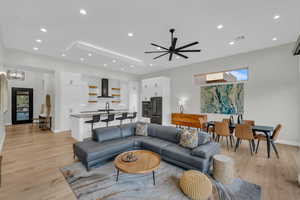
100 184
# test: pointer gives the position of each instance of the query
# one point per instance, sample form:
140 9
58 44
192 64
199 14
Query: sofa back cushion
107 133
128 129
168 133
152 129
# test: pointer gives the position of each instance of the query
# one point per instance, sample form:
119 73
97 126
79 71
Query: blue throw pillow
203 137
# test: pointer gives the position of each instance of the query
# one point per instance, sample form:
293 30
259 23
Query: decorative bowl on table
129 157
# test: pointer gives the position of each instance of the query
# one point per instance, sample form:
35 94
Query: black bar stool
132 117
123 117
96 118
110 117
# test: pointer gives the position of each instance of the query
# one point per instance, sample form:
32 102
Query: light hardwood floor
32 158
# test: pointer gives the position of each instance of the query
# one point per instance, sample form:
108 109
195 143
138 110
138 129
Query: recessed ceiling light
83 12
122 69
220 26
131 66
177 57
105 65
44 30
158 48
151 65
63 55
35 48
231 43
114 61
274 38
81 59
38 40
90 54
130 34
276 17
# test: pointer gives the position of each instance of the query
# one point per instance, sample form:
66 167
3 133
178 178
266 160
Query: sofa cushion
106 133
92 150
168 133
154 144
206 150
141 129
128 129
203 137
181 154
152 129
188 138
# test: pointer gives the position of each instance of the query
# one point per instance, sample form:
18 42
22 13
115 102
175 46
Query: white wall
2 129
271 94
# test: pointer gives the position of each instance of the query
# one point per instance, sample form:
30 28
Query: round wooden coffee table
147 161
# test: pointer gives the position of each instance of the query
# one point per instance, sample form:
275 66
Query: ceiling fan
172 49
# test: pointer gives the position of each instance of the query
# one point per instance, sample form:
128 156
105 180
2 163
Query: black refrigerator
156 110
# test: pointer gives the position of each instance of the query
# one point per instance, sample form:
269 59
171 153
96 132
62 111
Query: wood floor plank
32 158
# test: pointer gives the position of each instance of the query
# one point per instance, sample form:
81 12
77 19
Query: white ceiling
108 22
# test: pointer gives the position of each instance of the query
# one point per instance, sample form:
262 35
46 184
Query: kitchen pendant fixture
172 49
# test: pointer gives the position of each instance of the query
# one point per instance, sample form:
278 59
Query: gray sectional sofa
106 143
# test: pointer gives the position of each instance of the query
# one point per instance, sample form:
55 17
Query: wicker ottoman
223 169
195 185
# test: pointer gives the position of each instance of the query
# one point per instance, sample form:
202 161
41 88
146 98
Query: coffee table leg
153 174
118 171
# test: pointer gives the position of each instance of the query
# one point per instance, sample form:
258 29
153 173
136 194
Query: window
230 76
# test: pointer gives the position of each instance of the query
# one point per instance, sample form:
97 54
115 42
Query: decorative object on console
188 138
172 49
222 99
141 129
181 104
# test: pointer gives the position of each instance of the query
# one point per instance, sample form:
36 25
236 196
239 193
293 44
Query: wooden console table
189 120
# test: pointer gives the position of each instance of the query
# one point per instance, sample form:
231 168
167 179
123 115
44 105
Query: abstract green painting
223 99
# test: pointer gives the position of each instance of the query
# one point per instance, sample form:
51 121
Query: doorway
22 105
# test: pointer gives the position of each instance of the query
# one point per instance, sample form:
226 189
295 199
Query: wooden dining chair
249 122
244 132
272 139
227 121
222 130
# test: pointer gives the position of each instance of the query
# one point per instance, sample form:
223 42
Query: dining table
267 130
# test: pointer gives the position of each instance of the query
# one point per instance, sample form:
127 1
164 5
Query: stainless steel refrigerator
156 110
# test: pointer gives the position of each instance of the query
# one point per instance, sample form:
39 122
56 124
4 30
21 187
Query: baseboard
59 131
289 142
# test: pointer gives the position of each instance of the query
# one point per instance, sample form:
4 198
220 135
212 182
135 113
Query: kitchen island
81 130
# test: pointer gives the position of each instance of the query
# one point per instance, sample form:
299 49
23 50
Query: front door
22 105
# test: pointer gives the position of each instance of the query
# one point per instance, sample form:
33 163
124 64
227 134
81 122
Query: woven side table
195 185
223 169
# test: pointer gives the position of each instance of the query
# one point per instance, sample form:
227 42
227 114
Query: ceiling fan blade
161 55
198 50
188 45
156 51
171 55
174 44
179 54
159 46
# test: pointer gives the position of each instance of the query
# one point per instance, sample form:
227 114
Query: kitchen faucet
107 107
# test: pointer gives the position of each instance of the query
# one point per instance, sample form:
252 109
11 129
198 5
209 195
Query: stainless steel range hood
104 89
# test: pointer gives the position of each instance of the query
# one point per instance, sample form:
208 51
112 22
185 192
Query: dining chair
244 132
227 121
249 122
222 130
272 139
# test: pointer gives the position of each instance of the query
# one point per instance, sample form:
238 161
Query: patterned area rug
100 184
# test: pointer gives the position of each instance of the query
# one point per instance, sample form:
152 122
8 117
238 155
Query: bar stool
123 117
96 118
132 117
110 117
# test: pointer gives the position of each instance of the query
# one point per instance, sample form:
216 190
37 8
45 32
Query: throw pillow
203 137
189 139
141 129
